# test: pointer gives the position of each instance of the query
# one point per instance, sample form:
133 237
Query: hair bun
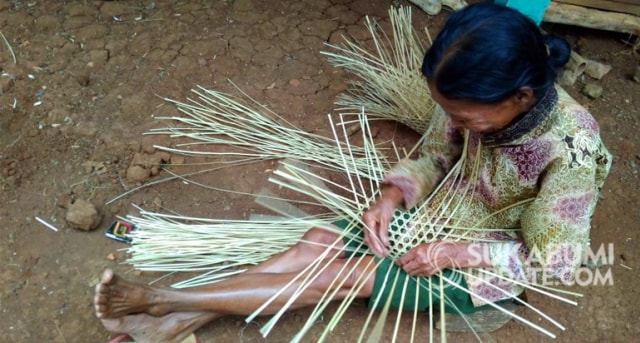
558 49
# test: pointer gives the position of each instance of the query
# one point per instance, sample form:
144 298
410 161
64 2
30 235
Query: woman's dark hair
486 52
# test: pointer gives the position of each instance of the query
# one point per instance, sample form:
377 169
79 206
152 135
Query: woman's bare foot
144 328
115 297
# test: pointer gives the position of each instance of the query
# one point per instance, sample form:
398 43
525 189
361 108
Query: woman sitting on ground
491 72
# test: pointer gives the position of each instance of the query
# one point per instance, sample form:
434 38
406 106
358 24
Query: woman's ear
524 98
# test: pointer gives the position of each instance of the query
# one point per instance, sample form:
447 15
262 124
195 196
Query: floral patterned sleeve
442 147
555 227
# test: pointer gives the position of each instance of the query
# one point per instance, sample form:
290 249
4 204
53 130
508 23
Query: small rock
294 82
567 78
138 174
111 257
83 215
591 90
596 69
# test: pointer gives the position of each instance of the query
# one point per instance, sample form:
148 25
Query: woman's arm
442 148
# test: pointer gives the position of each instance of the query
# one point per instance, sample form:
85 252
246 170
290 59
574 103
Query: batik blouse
528 191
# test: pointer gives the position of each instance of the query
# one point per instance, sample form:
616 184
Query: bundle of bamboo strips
215 248
388 83
193 251
216 118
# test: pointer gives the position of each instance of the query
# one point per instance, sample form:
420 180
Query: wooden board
592 18
620 6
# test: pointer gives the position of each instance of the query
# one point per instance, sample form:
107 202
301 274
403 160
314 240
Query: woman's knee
315 242
318 236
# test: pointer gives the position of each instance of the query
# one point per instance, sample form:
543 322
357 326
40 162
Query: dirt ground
88 78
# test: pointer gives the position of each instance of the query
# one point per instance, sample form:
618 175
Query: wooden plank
592 18
625 6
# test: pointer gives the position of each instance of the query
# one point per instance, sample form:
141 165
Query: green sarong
417 289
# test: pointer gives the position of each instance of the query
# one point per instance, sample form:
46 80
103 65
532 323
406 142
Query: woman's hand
428 259
377 220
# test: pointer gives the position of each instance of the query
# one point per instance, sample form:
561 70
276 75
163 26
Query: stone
596 69
83 215
591 90
137 174
567 77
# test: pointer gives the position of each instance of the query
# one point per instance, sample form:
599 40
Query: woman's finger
377 246
371 240
412 268
376 236
384 231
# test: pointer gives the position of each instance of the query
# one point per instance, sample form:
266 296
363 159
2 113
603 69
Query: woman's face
484 118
